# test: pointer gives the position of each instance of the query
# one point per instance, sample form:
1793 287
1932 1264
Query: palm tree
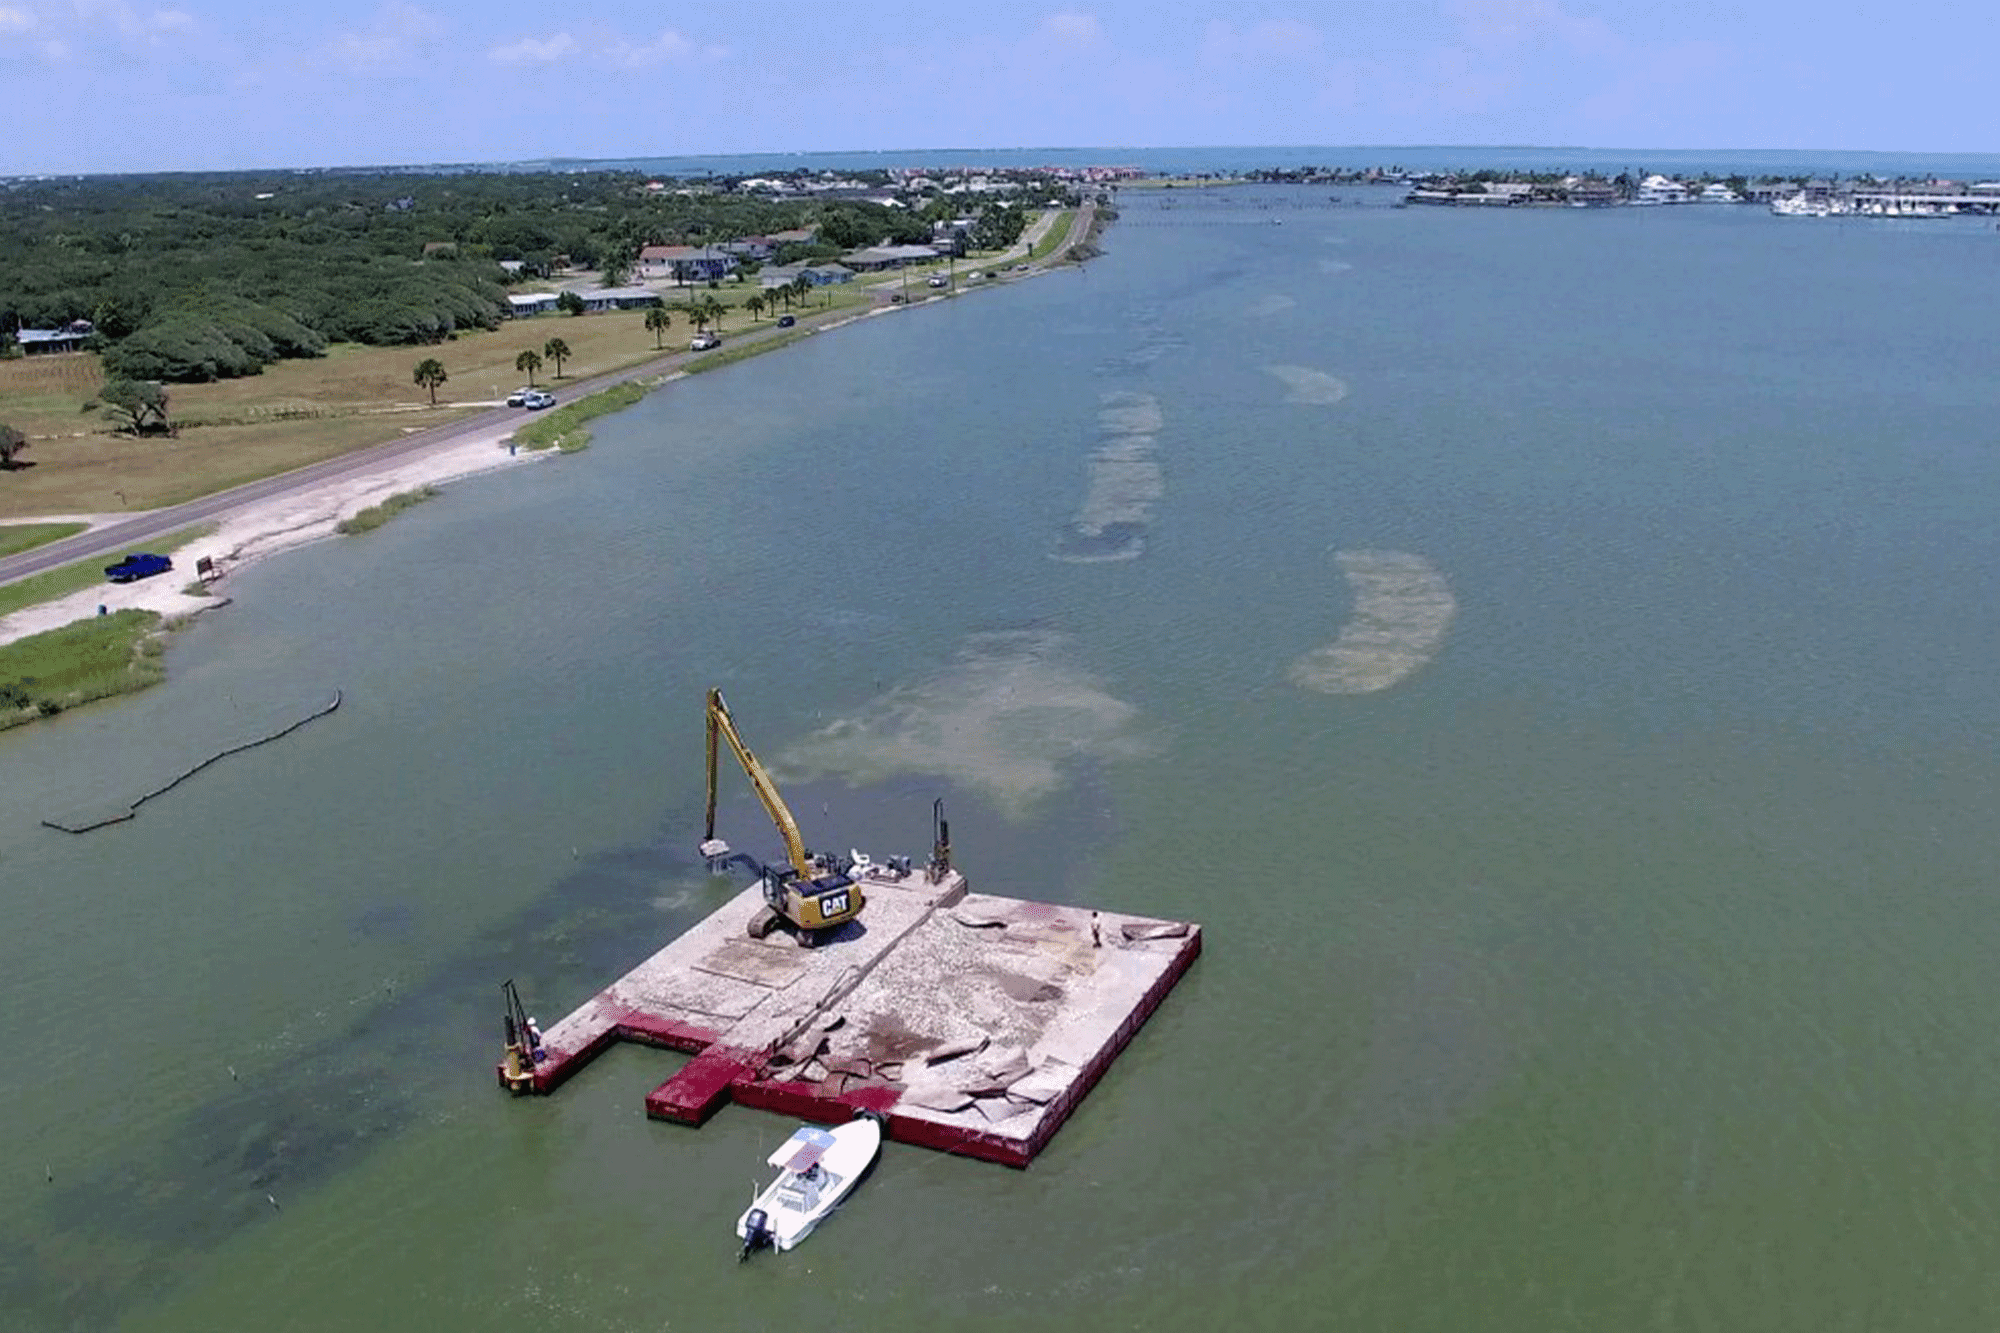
658 321
529 362
803 286
755 305
428 375
715 309
555 349
696 311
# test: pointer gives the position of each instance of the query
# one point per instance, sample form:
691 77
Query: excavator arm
722 725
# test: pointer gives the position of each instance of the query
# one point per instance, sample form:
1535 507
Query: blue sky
128 85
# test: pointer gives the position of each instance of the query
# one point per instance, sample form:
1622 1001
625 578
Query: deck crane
814 894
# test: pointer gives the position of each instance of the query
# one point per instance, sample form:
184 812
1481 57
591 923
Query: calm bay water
1623 963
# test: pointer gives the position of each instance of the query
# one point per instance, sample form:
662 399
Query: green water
1625 964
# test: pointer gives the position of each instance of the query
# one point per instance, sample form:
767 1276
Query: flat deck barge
974 1024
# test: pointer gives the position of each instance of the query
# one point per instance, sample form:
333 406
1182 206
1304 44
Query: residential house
68 338
818 275
1657 189
618 298
1593 194
532 303
878 257
685 263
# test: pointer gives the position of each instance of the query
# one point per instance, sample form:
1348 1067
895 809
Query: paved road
133 533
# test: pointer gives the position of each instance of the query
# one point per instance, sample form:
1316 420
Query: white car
703 341
519 397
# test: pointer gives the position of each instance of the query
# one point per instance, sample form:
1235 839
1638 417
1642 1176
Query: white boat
816 1169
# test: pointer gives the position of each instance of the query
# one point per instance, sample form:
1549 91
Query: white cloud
60 29
1271 39
1071 29
669 45
666 46
536 50
1656 76
396 40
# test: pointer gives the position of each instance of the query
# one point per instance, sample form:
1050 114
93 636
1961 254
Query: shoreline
259 529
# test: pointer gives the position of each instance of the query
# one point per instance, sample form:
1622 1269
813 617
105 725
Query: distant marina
1785 196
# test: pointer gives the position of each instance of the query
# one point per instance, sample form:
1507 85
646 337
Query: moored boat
817 1168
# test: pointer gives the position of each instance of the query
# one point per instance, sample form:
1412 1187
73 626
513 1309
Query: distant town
1803 196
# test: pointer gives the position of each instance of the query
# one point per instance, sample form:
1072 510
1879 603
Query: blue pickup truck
141 565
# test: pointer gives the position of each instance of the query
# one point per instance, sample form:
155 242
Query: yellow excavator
814 895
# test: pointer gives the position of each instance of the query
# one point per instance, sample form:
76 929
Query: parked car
936 280
703 341
138 565
537 399
786 321
519 398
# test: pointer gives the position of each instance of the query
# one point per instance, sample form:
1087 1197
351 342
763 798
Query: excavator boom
722 725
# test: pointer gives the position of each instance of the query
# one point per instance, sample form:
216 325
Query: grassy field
46 674
66 579
18 537
295 413
301 412
1052 237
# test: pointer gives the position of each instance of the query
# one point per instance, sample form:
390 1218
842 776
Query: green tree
556 350
802 288
658 321
715 310
141 403
697 311
755 305
569 303
531 362
428 375
12 442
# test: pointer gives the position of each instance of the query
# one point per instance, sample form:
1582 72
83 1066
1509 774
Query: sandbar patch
1402 610
1309 386
1123 483
1004 716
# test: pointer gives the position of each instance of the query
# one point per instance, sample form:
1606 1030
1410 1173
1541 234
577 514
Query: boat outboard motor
756 1232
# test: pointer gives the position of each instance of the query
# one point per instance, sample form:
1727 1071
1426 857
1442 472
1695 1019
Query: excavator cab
814 894
810 905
